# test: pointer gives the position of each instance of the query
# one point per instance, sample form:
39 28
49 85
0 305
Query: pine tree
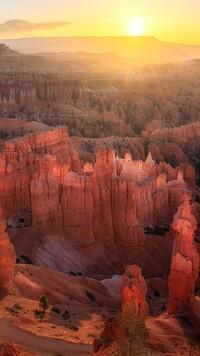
134 335
44 303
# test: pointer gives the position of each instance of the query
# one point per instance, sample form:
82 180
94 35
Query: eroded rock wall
15 92
110 202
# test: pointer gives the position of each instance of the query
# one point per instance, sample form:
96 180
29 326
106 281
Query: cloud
26 26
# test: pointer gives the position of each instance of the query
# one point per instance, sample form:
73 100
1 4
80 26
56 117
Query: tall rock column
134 289
7 257
185 258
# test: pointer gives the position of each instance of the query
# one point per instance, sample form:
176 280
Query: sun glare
136 27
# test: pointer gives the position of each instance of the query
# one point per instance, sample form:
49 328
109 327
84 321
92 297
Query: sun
136 27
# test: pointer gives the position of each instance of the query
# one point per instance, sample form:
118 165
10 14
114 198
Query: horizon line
97 36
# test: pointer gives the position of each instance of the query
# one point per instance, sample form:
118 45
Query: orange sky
176 21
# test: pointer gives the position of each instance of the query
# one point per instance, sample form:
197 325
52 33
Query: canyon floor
74 336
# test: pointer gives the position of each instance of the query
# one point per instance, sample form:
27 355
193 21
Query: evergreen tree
134 334
43 303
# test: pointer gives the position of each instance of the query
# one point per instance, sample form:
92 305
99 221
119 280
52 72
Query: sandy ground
56 336
40 345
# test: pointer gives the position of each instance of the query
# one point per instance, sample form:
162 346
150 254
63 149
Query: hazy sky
169 20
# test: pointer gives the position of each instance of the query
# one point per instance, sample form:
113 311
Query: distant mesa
137 48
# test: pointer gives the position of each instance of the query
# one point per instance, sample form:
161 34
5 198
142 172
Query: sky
167 20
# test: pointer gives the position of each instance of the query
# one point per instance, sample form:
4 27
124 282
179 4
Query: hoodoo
7 257
134 289
185 258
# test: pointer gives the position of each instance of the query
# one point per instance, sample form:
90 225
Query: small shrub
26 260
90 295
38 314
65 315
55 310
15 270
18 307
74 328
12 311
92 335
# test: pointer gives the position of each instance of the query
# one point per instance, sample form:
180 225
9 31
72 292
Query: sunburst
136 27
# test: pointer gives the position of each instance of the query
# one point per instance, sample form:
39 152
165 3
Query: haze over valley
99 179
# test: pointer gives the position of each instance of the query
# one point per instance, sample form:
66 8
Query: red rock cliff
110 202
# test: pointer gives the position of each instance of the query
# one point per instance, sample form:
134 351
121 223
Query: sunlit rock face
34 156
185 258
109 202
134 290
102 205
7 257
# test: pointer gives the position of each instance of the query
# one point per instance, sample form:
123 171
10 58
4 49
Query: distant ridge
6 51
146 48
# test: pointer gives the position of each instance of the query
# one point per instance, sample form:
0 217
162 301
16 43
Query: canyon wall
18 90
21 158
109 202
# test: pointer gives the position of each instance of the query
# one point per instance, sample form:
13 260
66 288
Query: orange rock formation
185 258
7 257
134 289
110 202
